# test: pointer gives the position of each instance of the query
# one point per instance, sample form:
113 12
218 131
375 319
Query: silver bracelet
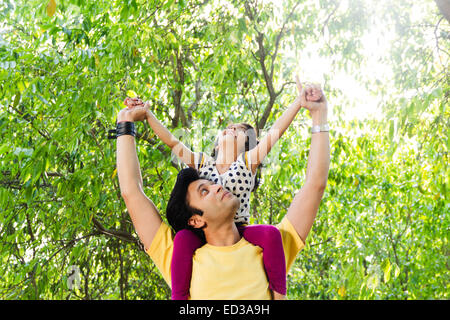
320 128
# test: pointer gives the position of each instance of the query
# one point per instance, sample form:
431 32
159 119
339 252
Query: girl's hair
250 143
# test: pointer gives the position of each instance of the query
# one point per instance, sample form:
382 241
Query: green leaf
16 99
396 270
132 94
386 267
373 281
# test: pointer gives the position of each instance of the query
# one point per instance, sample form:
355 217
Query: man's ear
196 221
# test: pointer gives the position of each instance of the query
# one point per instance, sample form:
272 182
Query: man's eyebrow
200 186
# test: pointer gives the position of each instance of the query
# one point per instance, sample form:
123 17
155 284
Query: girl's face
233 135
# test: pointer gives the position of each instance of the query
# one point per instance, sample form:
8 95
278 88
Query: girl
234 162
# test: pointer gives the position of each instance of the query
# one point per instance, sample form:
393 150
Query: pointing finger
299 84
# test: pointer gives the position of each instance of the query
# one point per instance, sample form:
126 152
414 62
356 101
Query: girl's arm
177 147
258 153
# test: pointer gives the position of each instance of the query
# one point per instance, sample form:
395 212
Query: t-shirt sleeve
244 158
292 243
198 159
161 251
202 160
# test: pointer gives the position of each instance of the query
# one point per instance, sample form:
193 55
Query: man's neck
225 235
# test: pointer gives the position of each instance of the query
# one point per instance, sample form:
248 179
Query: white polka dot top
238 179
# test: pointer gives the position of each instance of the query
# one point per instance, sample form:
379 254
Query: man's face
218 204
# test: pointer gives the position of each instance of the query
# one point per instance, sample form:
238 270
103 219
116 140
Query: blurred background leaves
66 66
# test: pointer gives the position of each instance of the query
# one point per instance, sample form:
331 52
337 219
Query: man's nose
218 188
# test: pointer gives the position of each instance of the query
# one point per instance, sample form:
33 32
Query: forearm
128 171
283 122
161 131
274 134
319 153
177 147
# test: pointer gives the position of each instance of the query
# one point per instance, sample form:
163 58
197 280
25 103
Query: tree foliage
66 66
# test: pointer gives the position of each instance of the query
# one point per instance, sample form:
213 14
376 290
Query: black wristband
123 128
126 128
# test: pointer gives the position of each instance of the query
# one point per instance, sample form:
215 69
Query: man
227 266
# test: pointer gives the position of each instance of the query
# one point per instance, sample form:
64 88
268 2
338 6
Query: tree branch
437 41
42 132
178 70
198 93
119 234
268 80
279 36
325 24
261 55
444 8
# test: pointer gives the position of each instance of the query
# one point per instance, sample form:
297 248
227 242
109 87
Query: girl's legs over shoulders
268 238
184 245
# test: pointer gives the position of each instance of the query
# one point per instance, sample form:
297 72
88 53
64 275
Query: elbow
318 186
321 187
318 181
129 197
125 194
129 192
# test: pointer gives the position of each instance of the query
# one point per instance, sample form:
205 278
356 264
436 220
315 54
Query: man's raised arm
304 206
144 214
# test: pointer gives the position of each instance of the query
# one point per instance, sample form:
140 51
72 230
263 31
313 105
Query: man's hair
178 211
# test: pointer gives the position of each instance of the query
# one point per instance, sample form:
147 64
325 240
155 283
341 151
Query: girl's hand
312 93
315 94
311 97
133 102
137 112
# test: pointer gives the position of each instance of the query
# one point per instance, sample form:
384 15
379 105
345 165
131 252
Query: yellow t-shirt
232 272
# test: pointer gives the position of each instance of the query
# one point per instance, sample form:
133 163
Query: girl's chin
229 136
227 140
